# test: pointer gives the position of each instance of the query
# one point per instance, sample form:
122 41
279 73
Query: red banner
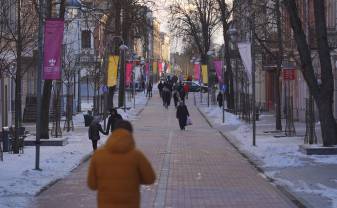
218 65
160 67
128 73
53 38
147 68
196 71
289 74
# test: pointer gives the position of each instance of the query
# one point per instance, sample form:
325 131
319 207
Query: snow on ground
19 182
274 154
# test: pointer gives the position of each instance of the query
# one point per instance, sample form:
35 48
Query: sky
162 12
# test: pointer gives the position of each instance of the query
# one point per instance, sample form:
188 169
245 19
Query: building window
86 39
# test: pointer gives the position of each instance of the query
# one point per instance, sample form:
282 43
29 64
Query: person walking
219 99
182 114
93 132
186 90
176 96
117 170
149 90
160 88
114 116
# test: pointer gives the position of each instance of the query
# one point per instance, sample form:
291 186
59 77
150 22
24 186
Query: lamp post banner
155 67
196 71
128 73
204 74
160 67
53 38
218 65
246 57
112 71
168 68
147 68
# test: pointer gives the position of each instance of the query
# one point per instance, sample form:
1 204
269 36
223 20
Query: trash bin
5 139
88 119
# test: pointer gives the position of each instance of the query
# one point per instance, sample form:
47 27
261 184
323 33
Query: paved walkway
195 168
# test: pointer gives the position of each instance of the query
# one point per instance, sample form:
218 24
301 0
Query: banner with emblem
196 71
53 39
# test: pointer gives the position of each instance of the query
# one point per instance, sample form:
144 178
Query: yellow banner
155 67
204 74
112 71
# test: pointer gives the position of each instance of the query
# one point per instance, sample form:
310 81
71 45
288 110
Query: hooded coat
117 170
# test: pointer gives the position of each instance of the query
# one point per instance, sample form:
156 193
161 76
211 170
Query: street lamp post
38 87
194 99
122 48
210 54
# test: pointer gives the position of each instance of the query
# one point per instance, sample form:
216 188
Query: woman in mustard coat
117 170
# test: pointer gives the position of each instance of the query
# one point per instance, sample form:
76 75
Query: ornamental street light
123 48
192 62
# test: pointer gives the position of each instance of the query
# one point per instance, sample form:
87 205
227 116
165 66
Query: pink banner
218 69
53 38
147 68
196 71
128 73
160 67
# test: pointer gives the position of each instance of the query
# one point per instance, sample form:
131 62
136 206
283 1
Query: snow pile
19 182
274 155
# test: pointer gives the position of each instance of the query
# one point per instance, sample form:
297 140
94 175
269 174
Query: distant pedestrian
117 170
166 95
160 88
93 132
176 97
114 116
186 90
143 86
219 98
182 114
149 90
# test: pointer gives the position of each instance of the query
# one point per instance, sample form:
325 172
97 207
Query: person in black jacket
219 99
160 88
94 129
182 114
114 116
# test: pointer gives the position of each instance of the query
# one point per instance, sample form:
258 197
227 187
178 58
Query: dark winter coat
94 129
112 121
117 170
182 113
219 99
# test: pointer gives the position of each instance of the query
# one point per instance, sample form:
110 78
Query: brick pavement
195 168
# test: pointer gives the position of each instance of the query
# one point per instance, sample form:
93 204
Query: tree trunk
323 94
328 123
18 81
279 68
229 77
47 86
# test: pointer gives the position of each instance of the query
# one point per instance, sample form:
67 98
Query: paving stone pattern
195 168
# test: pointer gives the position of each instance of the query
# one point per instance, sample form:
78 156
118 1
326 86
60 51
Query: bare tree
196 19
226 10
68 79
18 28
322 92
